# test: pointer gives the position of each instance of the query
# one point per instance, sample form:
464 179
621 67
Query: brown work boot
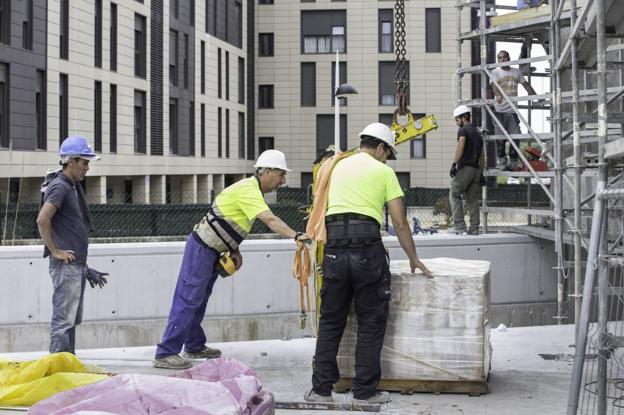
171 362
205 353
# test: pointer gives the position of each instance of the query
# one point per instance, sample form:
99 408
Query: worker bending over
356 265
222 230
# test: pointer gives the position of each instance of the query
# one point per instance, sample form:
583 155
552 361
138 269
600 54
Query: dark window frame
113 36
97 53
174 112
266 96
192 128
219 76
265 143
433 30
112 104
63 107
343 79
241 135
227 133
173 63
202 133
27 25
219 132
382 16
41 110
307 97
64 30
227 75
140 46
266 44
185 61
97 116
202 75
241 80
5 113
140 128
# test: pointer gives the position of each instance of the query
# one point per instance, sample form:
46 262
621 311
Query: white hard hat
461 110
272 159
383 133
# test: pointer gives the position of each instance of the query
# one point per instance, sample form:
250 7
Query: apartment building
180 96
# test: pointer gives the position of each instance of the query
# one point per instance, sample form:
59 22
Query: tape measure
226 266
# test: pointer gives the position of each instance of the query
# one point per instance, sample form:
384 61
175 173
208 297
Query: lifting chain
401 75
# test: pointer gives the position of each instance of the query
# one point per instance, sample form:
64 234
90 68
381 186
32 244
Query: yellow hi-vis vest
232 215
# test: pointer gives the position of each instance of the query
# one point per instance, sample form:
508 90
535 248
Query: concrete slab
521 381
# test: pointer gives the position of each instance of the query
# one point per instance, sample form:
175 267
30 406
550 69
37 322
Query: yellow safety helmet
226 265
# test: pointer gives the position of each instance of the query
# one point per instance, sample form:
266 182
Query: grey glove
96 277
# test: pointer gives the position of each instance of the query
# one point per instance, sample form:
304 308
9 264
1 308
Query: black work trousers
360 272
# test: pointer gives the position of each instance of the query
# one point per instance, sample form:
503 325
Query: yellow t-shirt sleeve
251 203
393 188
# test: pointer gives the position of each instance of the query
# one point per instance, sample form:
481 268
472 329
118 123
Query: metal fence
118 220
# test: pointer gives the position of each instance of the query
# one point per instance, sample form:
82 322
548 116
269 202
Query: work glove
96 277
453 171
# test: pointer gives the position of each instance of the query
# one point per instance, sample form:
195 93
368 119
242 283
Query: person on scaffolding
355 263
507 79
466 172
221 231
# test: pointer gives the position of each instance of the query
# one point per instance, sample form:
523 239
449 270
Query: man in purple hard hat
64 224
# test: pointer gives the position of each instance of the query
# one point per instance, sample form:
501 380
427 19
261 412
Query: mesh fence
125 217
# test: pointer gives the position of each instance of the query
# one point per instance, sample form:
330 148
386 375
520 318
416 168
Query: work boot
378 397
171 362
501 164
513 164
311 396
205 353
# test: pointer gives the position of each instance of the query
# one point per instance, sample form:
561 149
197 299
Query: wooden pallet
409 386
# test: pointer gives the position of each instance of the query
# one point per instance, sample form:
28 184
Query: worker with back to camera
356 266
466 172
64 223
221 231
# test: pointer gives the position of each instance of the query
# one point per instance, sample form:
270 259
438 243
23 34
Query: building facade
180 96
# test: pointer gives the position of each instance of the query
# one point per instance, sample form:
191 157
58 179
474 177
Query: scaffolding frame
563 57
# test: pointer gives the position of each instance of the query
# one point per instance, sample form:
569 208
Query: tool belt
351 229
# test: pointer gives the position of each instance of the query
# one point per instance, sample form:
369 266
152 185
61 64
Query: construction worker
356 265
507 78
222 230
64 224
466 172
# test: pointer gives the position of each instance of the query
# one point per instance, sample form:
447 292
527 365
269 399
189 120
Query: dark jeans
511 124
358 272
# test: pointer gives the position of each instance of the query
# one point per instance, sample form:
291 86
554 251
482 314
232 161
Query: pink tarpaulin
221 386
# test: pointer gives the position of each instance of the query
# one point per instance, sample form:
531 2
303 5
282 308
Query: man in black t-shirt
466 172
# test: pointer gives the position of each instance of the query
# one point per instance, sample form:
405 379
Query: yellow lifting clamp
414 128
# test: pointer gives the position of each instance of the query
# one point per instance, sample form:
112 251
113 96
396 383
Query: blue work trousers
197 276
68 280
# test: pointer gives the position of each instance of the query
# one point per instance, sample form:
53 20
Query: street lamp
340 91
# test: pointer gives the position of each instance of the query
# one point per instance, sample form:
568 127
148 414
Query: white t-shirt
508 81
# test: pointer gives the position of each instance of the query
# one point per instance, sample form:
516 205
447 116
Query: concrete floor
521 381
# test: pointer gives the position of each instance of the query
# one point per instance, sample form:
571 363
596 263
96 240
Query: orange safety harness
301 271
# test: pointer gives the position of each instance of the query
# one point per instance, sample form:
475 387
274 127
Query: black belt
348 217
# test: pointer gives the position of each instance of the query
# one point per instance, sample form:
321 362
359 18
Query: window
40 110
97 118
219 133
140 139
202 74
323 31
64 43
387 88
113 118
241 80
192 129
219 73
186 60
173 126
202 133
173 58
404 179
386 36
5 22
98 34
140 46
241 135
308 84
265 44
227 75
265 143
227 133
4 105
418 148
192 17
211 16
174 8
63 107
265 1
343 79
113 37
325 132
265 96
238 27
27 25
433 33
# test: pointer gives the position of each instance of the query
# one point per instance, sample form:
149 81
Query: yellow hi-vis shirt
232 215
361 184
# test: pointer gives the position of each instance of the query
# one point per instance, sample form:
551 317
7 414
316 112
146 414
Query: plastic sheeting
25 383
438 328
221 386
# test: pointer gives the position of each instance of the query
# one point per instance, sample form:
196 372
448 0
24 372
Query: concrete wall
259 302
